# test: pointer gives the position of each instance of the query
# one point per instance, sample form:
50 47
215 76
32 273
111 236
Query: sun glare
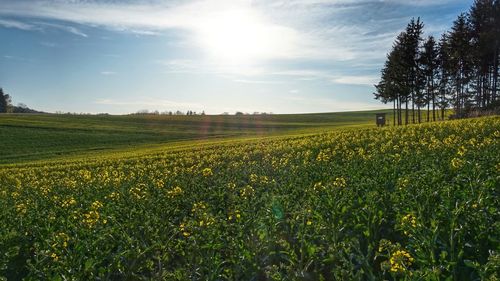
237 36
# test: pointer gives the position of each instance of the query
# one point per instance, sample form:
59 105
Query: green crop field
27 137
280 197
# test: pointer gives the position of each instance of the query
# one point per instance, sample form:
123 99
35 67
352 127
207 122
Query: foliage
5 102
407 203
462 70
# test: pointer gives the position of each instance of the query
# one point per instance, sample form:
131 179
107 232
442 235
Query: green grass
32 137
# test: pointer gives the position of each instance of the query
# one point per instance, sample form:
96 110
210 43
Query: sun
238 36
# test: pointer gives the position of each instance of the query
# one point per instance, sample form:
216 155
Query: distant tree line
460 70
178 112
190 112
239 113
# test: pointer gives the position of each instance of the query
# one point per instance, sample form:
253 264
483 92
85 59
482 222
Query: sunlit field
31 137
399 203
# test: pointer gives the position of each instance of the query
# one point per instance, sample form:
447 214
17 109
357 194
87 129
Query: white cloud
294 33
247 81
107 73
356 80
208 66
351 35
67 28
331 104
17 24
39 26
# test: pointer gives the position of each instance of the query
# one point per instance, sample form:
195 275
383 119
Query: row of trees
178 112
459 70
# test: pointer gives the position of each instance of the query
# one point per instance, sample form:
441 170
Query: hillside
27 137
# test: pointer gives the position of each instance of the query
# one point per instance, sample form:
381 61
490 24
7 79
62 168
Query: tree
444 86
412 48
461 70
485 35
5 102
401 81
461 63
393 83
429 63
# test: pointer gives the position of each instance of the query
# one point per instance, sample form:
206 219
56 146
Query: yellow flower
22 208
457 163
236 215
137 192
409 220
62 240
176 191
198 206
461 151
91 218
96 205
340 182
318 186
68 202
113 195
309 222
182 229
400 261
253 178
207 172
246 191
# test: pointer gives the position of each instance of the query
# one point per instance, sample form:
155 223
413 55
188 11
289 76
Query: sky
295 56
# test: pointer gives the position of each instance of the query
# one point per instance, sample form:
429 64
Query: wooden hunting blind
380 119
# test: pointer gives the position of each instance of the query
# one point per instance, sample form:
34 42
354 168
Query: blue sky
213 55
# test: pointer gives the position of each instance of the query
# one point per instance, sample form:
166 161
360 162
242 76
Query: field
280 198
34 137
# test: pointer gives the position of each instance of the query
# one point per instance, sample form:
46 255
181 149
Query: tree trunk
433 98
428 100
406 112
413 108
394 112
400 117
495 73
457 99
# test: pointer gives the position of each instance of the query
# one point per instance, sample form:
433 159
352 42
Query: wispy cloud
357 80
309 32
327 104
107 73
67 28
17 58
311 39
39 26
17 24
248 81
